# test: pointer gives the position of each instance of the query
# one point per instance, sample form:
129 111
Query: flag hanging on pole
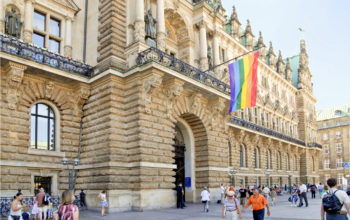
243 82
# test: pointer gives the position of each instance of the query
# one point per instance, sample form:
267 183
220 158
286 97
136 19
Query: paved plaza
282 210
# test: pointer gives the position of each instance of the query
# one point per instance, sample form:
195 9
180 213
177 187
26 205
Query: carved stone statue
210 57
150 25
12 24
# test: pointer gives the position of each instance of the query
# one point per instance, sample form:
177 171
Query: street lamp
232 174
268 178
71 171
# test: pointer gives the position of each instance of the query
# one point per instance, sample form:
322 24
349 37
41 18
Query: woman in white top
205 197
104 202
231 207
16 208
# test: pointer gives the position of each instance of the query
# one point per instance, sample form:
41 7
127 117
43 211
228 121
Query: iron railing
314 145
267 131
16 47
154 55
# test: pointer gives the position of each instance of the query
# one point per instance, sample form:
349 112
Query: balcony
261 129
154 55
314 145
30 52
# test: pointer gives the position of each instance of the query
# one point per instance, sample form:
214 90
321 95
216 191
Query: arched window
287 162
313 164
241 156
279 161
42 123
256 158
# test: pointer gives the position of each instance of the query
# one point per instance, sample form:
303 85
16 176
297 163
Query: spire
234 14
280 63
271 50
304 58
235 24
261 40
248 28
289 72
271 57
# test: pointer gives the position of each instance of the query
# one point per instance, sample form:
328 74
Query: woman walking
273 196
16 208
104 203
294 196
67 210
231 207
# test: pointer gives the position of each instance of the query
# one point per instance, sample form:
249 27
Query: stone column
216 53
139 25
203 47
160 25
28 21
68 38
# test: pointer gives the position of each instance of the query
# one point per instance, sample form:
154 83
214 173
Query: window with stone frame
256 115
326 149
256 158
250 118
338 148
287 162
47 31
279 162
337 134
268 159
42 123
340 179
325 136
326 164
262 119
295 166
242 156
267 120
339 162
313 164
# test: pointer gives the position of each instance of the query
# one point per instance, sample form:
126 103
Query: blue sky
327 36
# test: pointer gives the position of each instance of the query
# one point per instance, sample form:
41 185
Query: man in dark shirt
180 194
82 199
242 195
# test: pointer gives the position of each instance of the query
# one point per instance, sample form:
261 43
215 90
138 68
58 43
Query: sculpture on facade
210 57
150 25
12 23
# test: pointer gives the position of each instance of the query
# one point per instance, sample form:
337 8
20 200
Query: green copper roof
294 65
335 112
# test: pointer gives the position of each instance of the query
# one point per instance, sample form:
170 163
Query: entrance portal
179 150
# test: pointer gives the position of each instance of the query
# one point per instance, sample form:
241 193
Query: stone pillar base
161 41
111 61
203 64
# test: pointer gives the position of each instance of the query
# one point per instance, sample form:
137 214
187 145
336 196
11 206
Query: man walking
180 194
42 206
82 199
303 195
258 203
335 203
242 195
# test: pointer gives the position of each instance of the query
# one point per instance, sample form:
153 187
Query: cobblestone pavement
282 211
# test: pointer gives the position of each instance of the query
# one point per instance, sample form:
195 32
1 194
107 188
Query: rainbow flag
243 80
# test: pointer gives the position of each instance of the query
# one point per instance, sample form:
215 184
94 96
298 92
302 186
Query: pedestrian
231 207
250 192
303 195
35 210
25 213
266 192
294 196
42 204
222 192
205 198
335 203
67 210
313 191
16 207
258 203
180 193
273 195
325 189
82 196
320 189
242 195
103 197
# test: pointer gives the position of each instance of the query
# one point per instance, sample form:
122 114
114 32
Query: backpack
46 199
331 203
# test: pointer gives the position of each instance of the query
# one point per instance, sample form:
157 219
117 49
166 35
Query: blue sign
346 164
187 181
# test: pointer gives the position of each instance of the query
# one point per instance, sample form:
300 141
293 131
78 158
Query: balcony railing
16 47
154 55
261 129
314 145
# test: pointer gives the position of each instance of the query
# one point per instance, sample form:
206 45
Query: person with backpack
42 204
335 203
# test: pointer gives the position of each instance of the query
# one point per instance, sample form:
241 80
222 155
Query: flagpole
233 59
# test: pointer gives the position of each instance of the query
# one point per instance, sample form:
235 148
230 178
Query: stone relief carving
196 101
15 74
172 92
83 94
147 88
49 86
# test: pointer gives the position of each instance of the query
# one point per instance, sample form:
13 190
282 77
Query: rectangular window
54 45
326 164
223 55
339 162
39 21
38 40
337 134
325 136
326 149
338 148
55 27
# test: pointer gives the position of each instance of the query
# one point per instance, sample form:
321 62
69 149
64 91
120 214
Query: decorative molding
149 84
15 73
173 89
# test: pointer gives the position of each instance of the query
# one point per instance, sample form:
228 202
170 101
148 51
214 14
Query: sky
327 35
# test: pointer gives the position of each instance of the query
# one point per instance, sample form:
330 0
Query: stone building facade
138 118
333 132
